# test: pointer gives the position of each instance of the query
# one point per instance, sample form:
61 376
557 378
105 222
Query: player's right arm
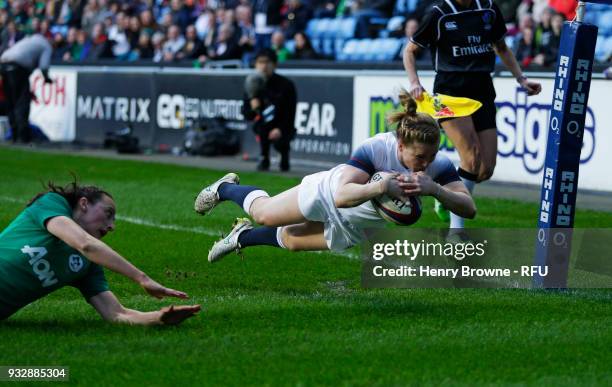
109 307
353 187
99 252
409 59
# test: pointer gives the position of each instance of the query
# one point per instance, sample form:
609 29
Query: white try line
175 227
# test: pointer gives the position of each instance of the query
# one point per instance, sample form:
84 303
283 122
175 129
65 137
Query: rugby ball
394 210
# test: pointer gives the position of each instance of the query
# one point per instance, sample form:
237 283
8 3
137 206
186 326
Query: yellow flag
444 106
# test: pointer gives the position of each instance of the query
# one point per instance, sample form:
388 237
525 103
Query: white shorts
316 202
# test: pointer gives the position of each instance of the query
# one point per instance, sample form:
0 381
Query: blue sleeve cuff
448 176
360 164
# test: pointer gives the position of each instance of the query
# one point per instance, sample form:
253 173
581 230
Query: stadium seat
600 48
347 28
290 45
332 30
605 23
348 50
311 27
607 49
386 48
366 50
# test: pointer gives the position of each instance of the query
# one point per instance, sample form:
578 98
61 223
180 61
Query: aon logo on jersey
40 266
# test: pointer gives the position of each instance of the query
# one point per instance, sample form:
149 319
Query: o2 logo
522 132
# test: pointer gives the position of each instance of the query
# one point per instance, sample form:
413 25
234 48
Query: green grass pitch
279 318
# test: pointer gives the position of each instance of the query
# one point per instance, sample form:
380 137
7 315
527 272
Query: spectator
59 46
147 22
246 42
225 46
205 23
157 41
166 23
78 46
550 51
267 20
45 29
212 34
133 32
33 26
525 21
117 34
143 49
180 14
410 28
278 45
303 48
174 43
18 12
91 15
10 36
525 50
543 30
100 46
295 18
193 47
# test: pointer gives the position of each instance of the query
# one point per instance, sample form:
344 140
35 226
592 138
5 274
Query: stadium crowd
203 30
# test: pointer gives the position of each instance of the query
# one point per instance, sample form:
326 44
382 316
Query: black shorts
478 86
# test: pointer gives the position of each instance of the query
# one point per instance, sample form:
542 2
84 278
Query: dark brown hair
72 192
412 126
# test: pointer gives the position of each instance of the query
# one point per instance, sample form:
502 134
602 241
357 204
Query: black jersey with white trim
461 39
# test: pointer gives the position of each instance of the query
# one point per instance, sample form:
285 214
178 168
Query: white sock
250 198
455 220
279 237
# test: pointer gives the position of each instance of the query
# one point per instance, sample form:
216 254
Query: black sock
260 236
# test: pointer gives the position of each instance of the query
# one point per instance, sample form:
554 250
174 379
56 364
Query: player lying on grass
56 241
331 209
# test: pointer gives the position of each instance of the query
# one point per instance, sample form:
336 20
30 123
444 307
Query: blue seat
600 54
316 44
607 48
348 50
348 28
311 27
290 45
367 50
386 49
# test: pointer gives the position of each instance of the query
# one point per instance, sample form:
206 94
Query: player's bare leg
488 153
463 135
304 236
279 210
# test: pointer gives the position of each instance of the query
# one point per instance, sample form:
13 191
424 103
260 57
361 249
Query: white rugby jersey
380 154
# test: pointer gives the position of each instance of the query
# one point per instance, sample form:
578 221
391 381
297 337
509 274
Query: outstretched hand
174 315
159 291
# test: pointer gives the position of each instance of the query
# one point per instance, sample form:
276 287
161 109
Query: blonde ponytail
412 126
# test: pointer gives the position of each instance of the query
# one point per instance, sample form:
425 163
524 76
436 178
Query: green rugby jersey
34 263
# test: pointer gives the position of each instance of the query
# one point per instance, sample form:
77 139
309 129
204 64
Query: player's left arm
507 57
454 196
109 307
